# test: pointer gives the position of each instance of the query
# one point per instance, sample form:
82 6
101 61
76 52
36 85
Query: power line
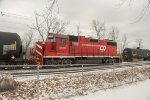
2 13
13 22
9 27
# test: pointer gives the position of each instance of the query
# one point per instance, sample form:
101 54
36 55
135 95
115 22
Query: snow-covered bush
7 83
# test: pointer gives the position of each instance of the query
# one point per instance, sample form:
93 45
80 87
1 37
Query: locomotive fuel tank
10 45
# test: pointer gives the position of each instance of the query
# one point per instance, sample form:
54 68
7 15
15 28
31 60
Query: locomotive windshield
51 39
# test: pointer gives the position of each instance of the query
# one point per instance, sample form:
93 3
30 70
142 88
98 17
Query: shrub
7 83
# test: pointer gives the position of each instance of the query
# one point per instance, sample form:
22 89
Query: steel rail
68 70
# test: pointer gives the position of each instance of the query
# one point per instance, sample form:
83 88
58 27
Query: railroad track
33 72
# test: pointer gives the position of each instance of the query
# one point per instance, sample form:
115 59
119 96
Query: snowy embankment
69 85
138 91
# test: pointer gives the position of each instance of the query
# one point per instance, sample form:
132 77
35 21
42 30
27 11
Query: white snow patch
137 91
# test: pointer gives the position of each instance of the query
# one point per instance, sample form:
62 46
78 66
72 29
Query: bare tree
143 11
78 30
139 42
47 22
113 34
38 27
124 42
27 42
58 26
98 27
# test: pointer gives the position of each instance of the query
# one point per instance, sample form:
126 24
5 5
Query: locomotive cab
51 40
57 43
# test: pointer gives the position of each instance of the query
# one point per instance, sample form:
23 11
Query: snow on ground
137 91
69 85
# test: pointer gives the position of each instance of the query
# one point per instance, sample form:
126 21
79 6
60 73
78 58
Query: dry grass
7 83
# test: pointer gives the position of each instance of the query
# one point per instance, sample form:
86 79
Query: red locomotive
67 49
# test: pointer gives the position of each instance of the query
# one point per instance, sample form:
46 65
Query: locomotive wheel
113 61
68 61
106 61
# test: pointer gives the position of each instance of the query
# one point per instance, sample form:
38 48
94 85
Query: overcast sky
19 13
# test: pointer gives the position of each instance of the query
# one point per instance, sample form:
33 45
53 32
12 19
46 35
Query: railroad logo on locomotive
102 48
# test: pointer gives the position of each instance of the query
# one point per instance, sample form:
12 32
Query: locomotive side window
112 43
93 40
73 38
62 41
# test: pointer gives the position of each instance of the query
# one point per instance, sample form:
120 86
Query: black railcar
10 46
130 54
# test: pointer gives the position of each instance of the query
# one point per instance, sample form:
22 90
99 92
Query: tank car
131 54
10 47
